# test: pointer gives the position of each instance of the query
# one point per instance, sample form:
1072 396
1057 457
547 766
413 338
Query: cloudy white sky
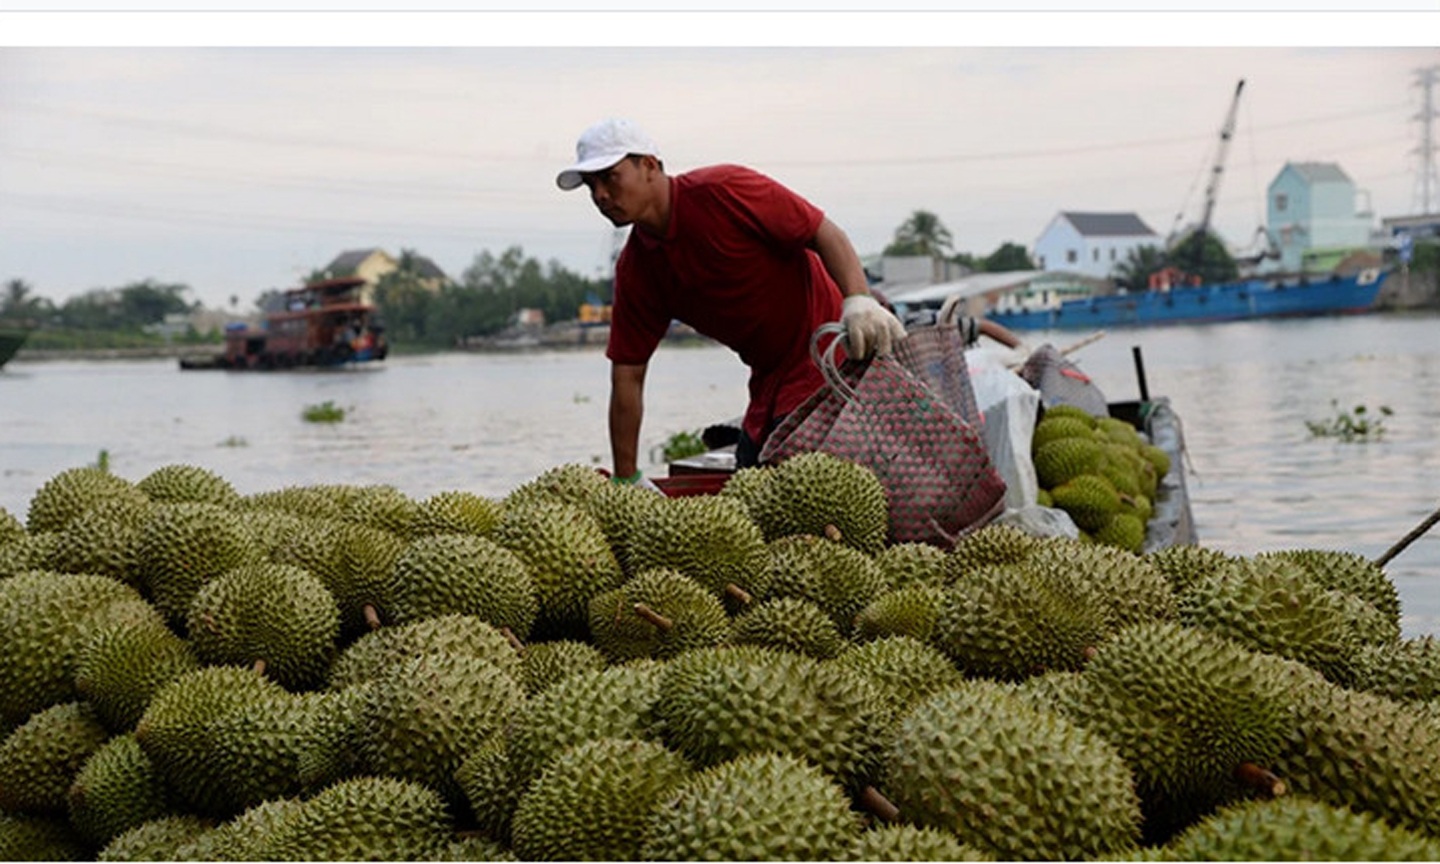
240 169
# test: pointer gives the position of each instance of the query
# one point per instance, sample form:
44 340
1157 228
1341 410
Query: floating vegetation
234 441
681 445
1357 424
325 412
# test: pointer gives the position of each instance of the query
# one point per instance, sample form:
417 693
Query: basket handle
825 360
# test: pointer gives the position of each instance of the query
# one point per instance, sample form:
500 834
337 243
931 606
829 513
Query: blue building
1312 207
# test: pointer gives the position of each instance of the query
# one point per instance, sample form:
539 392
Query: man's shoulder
712 175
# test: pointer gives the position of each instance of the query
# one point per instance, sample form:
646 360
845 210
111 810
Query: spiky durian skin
902 842
25 837
615 702
759 807
461 574
177 482
1075 411
1274 607
817 493
368 657
570 559
121 666
1010 779
837 578
1183 566
752 488
45 618
1296 828
788 624
1060 461
546 663
73 491
367 557
39 759
456 512
363 819
271 612
718 703
1365 752
175 730
910 611
593 801
185 545
1127 586
240 838
711 539
159 839
697 617
991 545
11 528
1123 531
315 501
904 670
422 716
380 506
1185 707
28 552
1008 622
1090 499
619 509
906 564
1055 427
116 789
1407 670
1349 572
571 483
490 787
103 540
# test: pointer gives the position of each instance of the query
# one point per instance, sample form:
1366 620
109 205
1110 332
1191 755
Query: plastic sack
1061 382
1009 406
937 475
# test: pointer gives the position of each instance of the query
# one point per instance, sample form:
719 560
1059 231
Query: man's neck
657 219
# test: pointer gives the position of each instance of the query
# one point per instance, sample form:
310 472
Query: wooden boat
11 339
322 324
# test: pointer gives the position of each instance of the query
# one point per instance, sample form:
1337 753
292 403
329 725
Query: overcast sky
237 170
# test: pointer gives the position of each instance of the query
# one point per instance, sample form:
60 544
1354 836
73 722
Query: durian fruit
788 624
315 501
272 613
752 487
619 509
1055 427
1365 752
474 847
762 806
988 546
593 801
116 789
407 732
658 613
826 496
1011 622
185 545
719 703
1158 459
1056 691
1123 531
1058 462
39 759
370 656
73 491
461 574
1296 828
906 564
380 506
170 484
571 483
103 540
1269 605
175 730
25 837
490 787
570 560
903 670
45 617
1349 572
367 558
615 702
1407 670
11 528
1119 431
709 538
546 663
839 579
363 819
902 842
242 837
28 552
1052 412
1010 779
910 611
456 512
1090 499
159 839
1187 710
1184 565
1128 586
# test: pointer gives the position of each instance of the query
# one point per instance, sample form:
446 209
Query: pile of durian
1100 471
590 671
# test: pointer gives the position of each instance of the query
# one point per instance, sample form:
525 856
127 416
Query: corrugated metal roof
1108 224
1320 172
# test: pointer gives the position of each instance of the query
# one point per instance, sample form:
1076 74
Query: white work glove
949 311
869 327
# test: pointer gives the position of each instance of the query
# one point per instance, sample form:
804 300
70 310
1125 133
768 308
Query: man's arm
840 259
627 388
869 327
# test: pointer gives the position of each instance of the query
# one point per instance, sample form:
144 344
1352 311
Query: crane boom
1212 189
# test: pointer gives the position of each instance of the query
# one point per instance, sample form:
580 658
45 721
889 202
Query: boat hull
10 342
1255 298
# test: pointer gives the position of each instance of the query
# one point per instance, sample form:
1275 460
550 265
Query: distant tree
921 234
1206 258
18 302
1139 265
1009 256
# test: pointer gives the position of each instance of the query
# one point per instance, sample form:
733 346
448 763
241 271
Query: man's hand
869 327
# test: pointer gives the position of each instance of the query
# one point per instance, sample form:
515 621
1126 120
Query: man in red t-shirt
735 255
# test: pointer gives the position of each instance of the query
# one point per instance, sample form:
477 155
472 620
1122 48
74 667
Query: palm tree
1135 271
922 234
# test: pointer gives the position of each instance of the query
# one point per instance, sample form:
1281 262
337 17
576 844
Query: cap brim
570 178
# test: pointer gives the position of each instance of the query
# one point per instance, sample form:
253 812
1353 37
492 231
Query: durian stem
210 623
372 617
654 617
260 666
833 532
513 639
739 593
877 804
1259 779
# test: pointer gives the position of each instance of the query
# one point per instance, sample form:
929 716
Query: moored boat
11 339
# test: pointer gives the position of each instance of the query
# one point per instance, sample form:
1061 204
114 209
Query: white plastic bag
1009 406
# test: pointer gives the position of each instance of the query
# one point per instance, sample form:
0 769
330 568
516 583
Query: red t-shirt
734 265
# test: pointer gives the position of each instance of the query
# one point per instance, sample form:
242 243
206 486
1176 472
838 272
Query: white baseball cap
603 145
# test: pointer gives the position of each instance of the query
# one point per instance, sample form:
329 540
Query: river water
1258 479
